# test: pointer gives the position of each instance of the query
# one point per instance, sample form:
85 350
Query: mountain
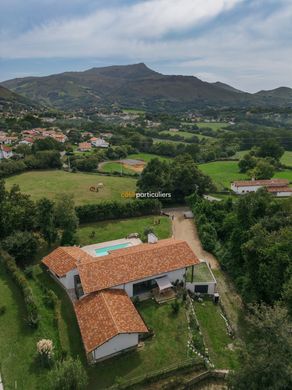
283 94
134 86
11 100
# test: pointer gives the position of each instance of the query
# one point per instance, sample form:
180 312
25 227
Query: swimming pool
105 250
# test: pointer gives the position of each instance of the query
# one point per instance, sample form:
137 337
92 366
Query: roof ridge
107 306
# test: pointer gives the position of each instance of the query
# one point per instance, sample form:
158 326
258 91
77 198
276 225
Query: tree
247 162
262 170
21 245
68 375
266 361
46 220
66 218
287 294
270 148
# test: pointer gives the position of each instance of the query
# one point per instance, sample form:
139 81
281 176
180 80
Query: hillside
11 100
134 86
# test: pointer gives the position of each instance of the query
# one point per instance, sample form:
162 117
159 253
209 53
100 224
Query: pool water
105 250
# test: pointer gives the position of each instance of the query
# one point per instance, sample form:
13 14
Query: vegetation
50 183
113 230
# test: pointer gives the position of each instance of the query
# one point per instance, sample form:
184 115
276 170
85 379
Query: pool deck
90 249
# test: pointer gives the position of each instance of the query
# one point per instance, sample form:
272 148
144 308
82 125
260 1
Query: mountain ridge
137 86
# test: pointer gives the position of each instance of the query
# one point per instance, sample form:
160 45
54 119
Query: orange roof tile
103 315
280 189
65 259
134 263
265 183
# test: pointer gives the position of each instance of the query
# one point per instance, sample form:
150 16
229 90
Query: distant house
26 141
99 142
5 152
60 137
173 130
84 147
106 276
278 187
106 135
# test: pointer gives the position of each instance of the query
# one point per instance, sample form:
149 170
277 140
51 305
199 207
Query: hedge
115 210
20 280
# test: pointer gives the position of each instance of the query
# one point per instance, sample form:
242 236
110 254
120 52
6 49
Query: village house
101 279
278 187
84 147
5 152
99 142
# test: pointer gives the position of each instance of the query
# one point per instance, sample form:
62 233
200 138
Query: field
48 184
147 157
224 172
186 135
113 230
287 158
212 125
158 140
115 166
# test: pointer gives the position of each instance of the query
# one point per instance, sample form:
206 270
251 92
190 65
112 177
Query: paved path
185 229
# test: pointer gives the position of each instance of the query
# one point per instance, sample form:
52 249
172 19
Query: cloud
242 42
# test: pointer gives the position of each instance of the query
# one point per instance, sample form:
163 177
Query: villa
278 187
102 279
5 152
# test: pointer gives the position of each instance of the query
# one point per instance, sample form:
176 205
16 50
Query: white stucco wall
68 280
283 194
244 190
173 276
115 345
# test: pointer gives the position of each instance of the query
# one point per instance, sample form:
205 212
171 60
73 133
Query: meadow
48 184
224 172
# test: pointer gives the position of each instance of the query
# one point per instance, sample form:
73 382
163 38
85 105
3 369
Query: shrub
45 351
20 280
114 210
67 375
2 310
50 299
175 307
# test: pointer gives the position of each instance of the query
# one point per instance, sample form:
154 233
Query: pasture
48 184
224 172
212 125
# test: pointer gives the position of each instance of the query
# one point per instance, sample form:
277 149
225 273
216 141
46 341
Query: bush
45 351
51 299
20 280
115 210
175 307
2 310
68 375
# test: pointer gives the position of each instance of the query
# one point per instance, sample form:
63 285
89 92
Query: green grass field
212 125
48 184
215 335
111 167
287 158
147 157
224 172
187 135
113 230
161 140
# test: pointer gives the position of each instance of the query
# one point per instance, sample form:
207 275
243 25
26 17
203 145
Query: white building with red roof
278 187
5 152
106 276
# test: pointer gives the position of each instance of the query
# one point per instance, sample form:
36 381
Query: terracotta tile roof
84 145
103 315
135 263
6 149
280 189
64 259
264 183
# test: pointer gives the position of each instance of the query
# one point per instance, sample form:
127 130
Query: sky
245 43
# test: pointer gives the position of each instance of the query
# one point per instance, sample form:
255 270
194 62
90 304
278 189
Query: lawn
212 125
215 335
161 140
224 172
147 157
18 342
111 167
113 230
48 184
167 347
287 158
